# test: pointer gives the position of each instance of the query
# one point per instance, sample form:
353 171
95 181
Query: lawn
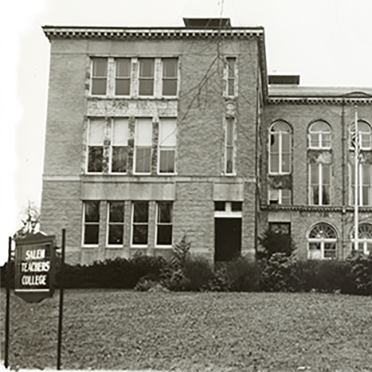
116 329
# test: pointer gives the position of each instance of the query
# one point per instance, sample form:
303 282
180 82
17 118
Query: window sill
133 98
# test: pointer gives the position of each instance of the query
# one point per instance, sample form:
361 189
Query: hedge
278 273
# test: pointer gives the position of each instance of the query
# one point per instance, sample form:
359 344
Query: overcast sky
327 42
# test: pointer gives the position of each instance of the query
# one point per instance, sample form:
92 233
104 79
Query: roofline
84 32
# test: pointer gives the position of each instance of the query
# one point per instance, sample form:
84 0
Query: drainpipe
343 213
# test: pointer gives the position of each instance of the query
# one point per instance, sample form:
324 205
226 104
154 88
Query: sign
34 267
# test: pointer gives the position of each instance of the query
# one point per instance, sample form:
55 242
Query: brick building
157 133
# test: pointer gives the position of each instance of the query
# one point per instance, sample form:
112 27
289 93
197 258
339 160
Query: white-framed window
322 242
229 146
134 77
123 69
115 223
364 238
167 145
365 136
164 223
140 223
119 145
365 184
96 130
146 76
113 134
230 76
169 76
319 184
91 223
280 196
280 148
143 143
99 76
320 134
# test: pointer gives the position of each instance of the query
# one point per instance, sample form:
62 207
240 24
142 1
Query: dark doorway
228 237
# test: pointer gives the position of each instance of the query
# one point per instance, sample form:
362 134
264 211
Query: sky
326 42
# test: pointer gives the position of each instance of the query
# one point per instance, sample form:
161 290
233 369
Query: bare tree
30 221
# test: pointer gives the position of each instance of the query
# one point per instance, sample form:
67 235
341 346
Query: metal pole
356 201
61 300
7 312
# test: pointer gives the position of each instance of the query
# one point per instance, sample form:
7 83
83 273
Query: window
115 220
320 135
364 238
140 218
320 184
116 137
283 228
365 136
230 64
122 76
146 76
164 223
99 76
228 209
322 242
229 149
143 141
170 73
91 223
365 185
280 196
280 148
167 145
119 148
95 145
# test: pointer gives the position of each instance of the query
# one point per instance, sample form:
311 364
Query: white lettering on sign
35 267
38 254
34 280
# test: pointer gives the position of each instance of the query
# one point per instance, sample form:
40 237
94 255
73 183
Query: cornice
318 101
313 208
124 33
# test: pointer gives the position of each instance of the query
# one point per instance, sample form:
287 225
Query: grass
115 329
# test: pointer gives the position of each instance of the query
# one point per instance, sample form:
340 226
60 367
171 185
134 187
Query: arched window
322 242
280 148
365 135
364 238
320 135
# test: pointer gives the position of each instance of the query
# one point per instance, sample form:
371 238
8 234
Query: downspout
343 213
257 171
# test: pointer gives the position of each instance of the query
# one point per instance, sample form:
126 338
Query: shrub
323 276
144 285
239 275
275 242
181 252
276 273
117 273
177 281
360 275
198 271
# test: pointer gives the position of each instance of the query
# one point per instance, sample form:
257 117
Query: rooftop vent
203 23
284 79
